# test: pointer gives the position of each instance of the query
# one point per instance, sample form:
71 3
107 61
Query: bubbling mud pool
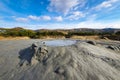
60 42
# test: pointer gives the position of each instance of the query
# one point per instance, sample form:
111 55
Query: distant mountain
113 30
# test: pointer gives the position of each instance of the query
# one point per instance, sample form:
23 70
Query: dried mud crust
80 61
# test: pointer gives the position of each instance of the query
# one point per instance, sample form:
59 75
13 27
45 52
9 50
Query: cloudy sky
66 14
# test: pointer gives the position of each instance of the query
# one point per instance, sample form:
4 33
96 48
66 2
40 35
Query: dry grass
55 37
86 37
13 38
52 37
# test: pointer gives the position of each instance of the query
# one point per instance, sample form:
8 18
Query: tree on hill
118 33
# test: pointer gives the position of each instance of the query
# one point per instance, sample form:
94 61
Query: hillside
109 33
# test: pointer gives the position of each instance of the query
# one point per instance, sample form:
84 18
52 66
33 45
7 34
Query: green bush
49 33
28 33
43 33
118 33
80 34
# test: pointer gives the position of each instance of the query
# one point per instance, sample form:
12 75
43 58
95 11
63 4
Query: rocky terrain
83 60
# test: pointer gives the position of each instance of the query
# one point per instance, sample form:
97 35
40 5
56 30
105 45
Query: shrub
118 33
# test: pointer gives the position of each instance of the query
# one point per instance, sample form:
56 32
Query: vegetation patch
72 33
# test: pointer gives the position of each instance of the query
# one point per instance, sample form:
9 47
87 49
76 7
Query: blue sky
62 14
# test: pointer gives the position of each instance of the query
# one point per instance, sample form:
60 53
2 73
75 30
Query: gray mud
79 61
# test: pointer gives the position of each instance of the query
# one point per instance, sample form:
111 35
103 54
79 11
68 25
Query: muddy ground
80 61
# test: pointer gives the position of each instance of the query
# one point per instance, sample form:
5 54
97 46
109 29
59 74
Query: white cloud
76 15
46 18
105 4
39 17
85 24
98 25
33 17
63 6
59 18
21 19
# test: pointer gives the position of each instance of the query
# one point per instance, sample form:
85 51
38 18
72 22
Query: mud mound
114 47
80 61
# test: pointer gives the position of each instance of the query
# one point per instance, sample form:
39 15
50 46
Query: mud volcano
78 60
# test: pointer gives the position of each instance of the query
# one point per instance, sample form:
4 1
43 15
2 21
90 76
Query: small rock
59 70
111 47
91 42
